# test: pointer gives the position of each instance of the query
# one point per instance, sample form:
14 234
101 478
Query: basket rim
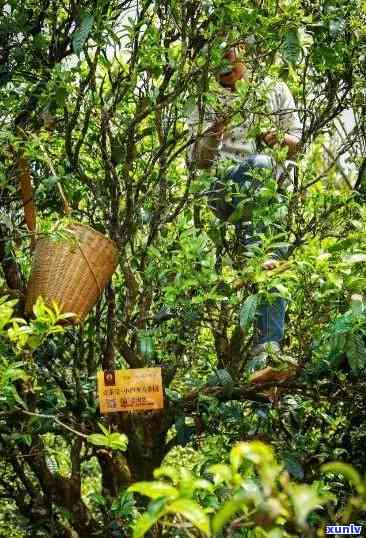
87 227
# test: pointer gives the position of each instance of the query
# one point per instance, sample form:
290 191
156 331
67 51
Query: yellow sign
139 389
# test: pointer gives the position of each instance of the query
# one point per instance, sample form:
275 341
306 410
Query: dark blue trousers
269 324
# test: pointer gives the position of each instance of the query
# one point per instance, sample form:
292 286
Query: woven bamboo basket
73 273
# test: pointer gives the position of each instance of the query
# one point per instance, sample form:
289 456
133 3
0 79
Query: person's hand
292 142
270 264
270 138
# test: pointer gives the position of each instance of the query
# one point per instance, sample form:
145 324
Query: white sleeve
283 107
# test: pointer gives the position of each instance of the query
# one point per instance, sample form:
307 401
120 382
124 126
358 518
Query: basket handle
30 213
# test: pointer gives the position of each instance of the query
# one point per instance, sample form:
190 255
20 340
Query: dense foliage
95 96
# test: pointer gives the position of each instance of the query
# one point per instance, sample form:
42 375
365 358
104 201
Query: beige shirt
279 106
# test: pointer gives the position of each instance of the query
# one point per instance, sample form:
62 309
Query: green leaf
97 439
189 484
144 524
201 483
98 499
193 512
169 471
357 304
282 290
14 374
154 489
117 441
155 511
224 377
146 345
293 466
247 311
24 438
60 95
336 26
103 428
227 510
17 398
242 87
81 33
157 506
304 500
348 472
237 455
189 106
356 353
221 472
291 48
256 452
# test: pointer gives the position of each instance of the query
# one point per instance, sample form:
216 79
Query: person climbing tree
233 155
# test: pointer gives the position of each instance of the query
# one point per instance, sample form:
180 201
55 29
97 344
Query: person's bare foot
270 374
269 364
270 264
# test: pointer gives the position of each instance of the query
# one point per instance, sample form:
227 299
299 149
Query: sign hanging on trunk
134 389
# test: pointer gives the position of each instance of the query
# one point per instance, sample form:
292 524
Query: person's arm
285 117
